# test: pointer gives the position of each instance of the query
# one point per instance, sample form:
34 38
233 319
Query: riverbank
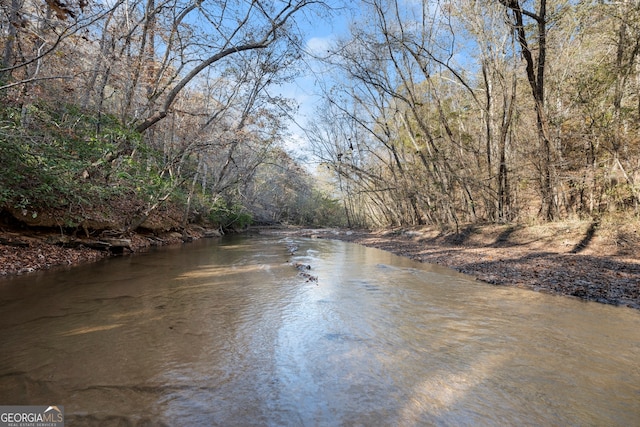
29 250
594 262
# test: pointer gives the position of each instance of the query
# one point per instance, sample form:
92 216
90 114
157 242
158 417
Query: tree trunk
7 56
535 77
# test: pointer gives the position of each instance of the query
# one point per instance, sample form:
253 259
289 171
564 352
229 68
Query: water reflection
230 333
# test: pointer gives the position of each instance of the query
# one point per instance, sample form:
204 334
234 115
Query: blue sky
319 35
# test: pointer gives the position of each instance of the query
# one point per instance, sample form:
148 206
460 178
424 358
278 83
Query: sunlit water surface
231 333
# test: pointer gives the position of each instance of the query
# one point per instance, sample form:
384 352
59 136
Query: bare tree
535 70
255 25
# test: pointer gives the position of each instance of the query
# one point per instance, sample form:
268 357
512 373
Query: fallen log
118 243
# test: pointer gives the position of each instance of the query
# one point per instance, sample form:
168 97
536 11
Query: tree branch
268 38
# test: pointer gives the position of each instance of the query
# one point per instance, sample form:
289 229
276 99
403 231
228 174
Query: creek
238 331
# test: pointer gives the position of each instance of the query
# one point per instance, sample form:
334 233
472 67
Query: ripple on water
226 333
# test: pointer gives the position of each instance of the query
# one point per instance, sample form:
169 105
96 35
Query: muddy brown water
231 333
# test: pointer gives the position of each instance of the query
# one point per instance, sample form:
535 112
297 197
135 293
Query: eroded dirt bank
40 239
26 251
577 259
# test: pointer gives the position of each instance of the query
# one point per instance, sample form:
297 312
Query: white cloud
318 46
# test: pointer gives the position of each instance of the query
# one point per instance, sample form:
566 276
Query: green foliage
229 216
57 157
63 159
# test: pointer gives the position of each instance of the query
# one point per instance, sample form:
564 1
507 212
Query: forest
433 112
